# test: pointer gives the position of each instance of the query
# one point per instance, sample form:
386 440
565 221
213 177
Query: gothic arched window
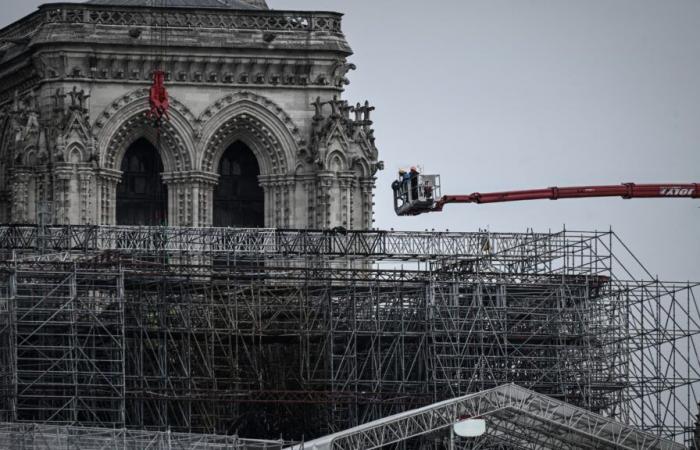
239 200
142 198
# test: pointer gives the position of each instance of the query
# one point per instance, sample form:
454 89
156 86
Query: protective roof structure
223 4
514 416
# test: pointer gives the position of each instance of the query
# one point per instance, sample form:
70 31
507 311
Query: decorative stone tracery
266 128
343 155
252 132
236 20
126 120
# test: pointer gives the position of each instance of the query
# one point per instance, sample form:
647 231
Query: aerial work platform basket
415 193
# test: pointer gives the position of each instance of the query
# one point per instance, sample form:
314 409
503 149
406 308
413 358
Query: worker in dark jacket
404 179
413 177
396 185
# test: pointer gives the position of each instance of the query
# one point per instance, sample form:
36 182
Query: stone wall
270 79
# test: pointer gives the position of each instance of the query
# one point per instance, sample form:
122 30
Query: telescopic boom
413 197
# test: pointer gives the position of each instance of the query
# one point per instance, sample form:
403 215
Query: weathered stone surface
74 97
237 4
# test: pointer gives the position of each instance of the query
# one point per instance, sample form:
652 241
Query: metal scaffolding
517 418
262 333
20 436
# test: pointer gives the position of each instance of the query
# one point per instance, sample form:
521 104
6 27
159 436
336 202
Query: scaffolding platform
300 333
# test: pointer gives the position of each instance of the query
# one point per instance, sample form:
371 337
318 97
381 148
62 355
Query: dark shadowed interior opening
142 198
239 200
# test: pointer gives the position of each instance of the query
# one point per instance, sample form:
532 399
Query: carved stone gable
336 124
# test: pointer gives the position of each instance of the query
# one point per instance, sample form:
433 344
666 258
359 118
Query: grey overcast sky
498 95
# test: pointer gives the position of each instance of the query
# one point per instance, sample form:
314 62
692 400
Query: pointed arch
336 161
256 121
361 167
75 153
126 120
31 156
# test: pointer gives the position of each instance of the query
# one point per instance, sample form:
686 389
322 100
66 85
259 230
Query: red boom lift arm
626 191
424 203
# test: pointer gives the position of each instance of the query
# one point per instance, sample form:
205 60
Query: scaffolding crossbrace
534 420
270 242
262 333
20 436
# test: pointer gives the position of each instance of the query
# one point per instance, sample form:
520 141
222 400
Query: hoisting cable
159 101
158 96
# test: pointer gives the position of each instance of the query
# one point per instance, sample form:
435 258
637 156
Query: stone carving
71 127
266 104
247 124
23 128
78 99
15 129
31 110
350 127
232 19
263 71
175 154
340 70
58 100
318 109
138 95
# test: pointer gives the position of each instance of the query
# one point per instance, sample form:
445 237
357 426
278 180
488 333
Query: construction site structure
516 417
215 282
263 333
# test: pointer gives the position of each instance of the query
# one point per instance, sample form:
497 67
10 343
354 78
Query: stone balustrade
265 20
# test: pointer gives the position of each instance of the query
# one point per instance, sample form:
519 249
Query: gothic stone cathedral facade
257 135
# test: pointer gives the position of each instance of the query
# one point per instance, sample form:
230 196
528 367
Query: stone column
281 200
61 194
178 214
323 199
309 186
39 193
86 195
266 183
202 185
277 202
290 201
106 199
367 202
19 181
190 195
345 183
206 203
